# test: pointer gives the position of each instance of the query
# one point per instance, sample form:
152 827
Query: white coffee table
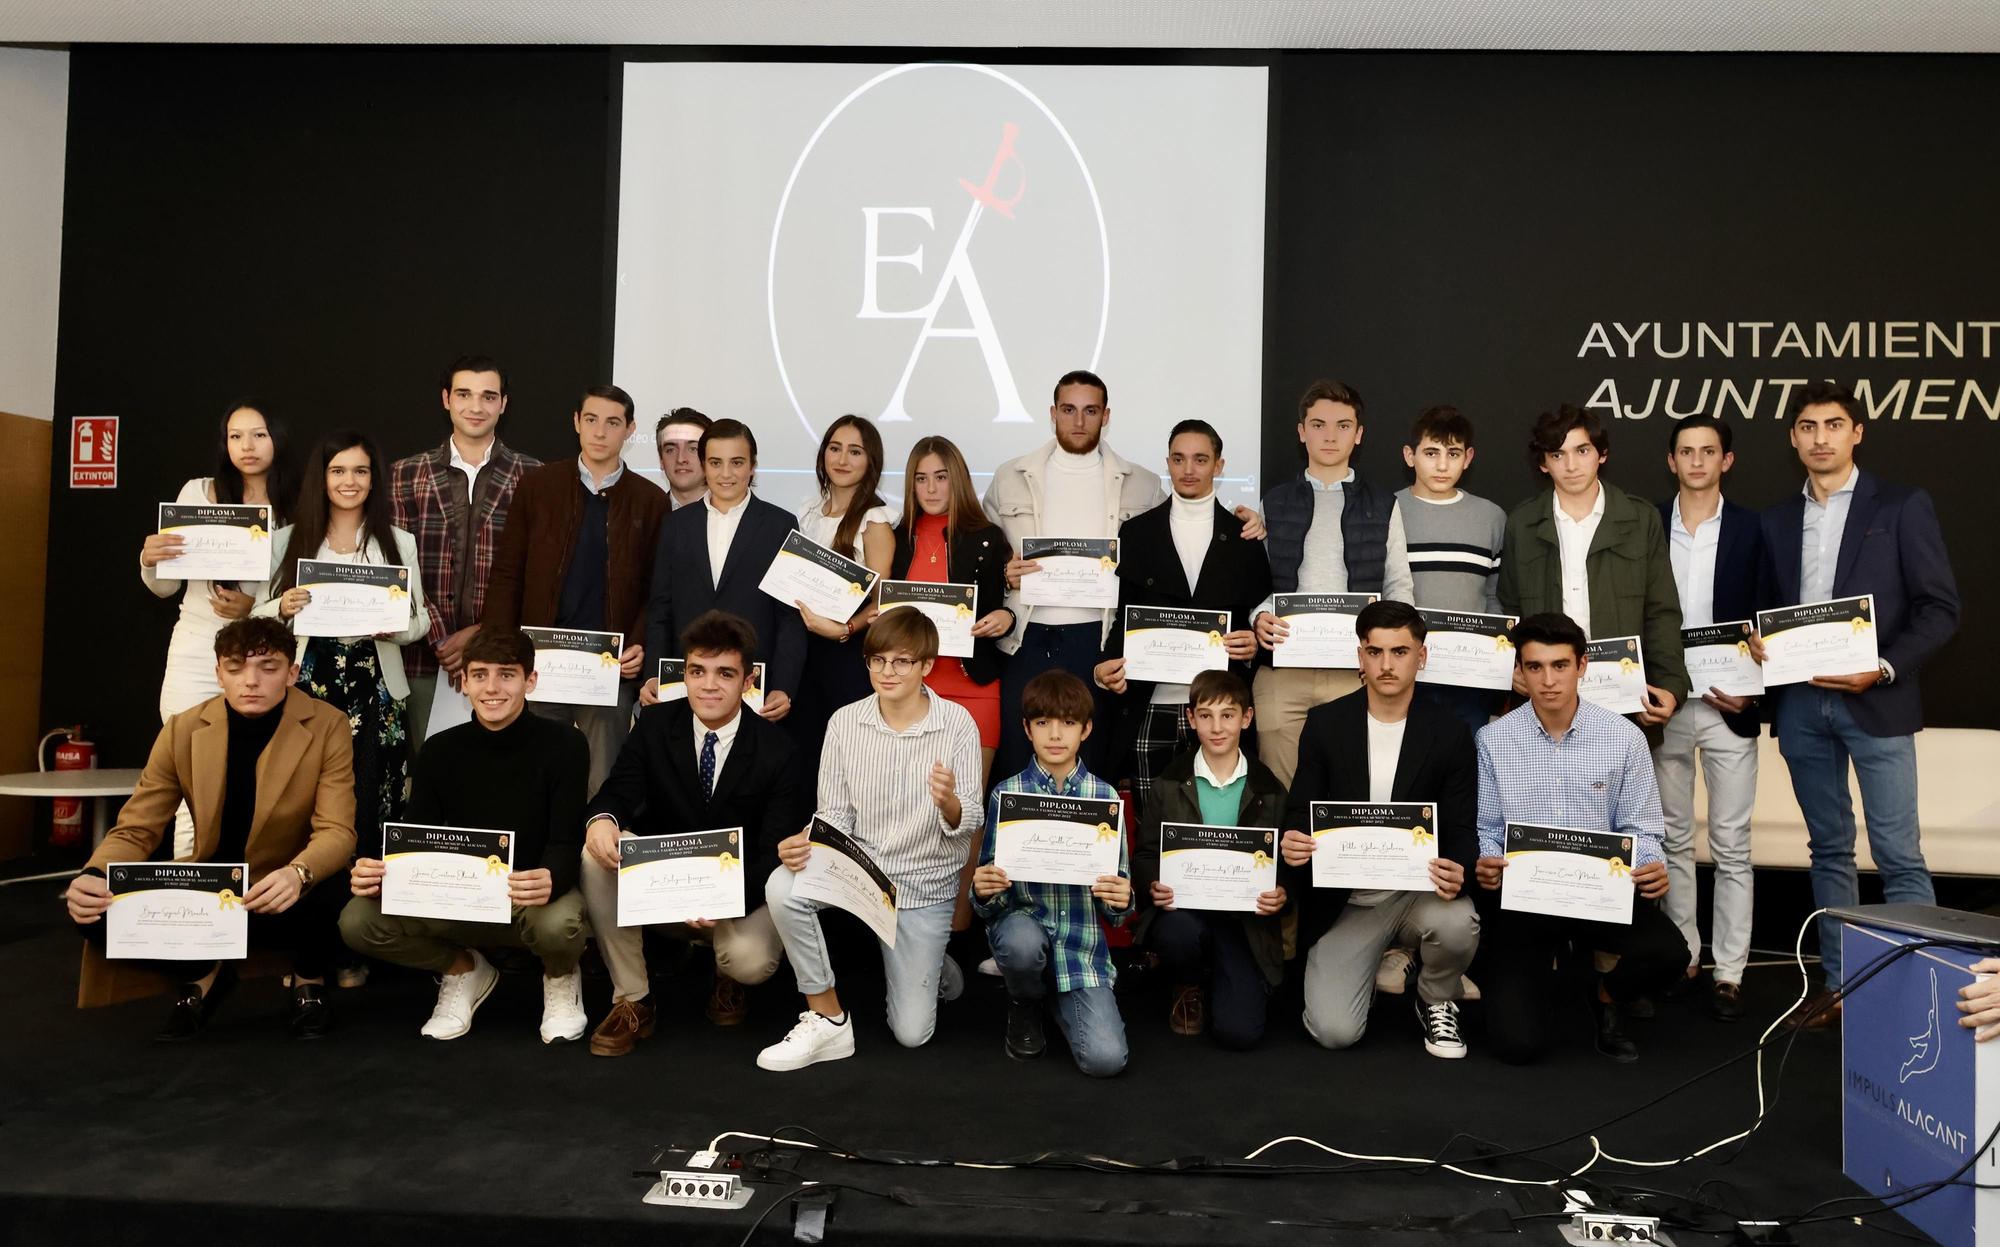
99 787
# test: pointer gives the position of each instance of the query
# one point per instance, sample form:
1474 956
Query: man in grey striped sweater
890 777
1454 538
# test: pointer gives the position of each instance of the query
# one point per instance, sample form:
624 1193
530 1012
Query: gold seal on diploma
1619 869
1859 624
1214 638
607 660
1743 648
1420 835
397 591
1104 833
854 590
226 899
494 866
257 533
1107 562
1502 642
962 611
1626 666
727 861
1260 859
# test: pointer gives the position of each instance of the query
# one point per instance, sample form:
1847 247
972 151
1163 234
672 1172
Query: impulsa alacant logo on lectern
941 243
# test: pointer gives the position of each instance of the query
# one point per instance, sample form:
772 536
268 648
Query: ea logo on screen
939 252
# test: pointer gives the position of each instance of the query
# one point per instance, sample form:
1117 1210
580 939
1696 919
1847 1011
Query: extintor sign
93 452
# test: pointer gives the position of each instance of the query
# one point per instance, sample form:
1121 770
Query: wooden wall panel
24 560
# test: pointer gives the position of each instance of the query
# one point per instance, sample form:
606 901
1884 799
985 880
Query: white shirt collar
735 512
1596 508
1201 770
1847 486
1318 484
723 734
464 464
1713 519
590 482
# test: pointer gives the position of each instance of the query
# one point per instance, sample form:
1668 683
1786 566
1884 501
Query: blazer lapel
742 757
746 534
1414 754
209 759
280 758
1860 514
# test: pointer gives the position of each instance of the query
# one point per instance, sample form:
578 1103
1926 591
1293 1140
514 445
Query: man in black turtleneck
507 770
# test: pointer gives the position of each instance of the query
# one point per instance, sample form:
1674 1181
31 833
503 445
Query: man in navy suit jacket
1715 547
1846 534
689 579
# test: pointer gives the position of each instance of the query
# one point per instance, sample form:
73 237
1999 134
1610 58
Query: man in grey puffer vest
1330 532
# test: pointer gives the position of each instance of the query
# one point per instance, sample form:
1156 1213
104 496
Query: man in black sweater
700 764
511 771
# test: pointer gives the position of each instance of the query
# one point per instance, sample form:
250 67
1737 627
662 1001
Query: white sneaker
951 979
1440 1023
1393 975
458 996
814 1039
1467 989
562 1007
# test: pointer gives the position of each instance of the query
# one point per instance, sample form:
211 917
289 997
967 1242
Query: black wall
329 227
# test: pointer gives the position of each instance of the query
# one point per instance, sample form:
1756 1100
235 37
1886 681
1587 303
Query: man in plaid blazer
453 499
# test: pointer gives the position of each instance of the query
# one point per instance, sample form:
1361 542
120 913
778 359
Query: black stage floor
376 1134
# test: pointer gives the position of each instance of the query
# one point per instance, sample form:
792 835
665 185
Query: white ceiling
1622 25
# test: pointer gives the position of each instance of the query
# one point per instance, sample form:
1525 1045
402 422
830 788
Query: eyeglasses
898 665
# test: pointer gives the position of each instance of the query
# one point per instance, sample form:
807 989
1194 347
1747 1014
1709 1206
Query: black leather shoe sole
1026 1037
1725 1006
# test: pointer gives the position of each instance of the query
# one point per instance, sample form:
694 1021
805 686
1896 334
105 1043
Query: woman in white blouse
343 516
251 467
848 516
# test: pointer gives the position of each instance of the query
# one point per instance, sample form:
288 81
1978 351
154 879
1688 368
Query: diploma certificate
178 911
831 585
1173 645
673 683
1615 677
220 541
1076 571
954 608
1818 638
455 873
352 599
1218 867
1468 650
576 668
841 874
1050 839
697 874
1719 658
1322 629
1374 847
1566 872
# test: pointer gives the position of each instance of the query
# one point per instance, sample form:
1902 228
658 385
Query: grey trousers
1340 969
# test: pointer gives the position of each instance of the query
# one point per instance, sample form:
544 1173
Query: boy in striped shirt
1046 934
1454 538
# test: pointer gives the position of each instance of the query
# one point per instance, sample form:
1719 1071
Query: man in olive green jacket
1595 553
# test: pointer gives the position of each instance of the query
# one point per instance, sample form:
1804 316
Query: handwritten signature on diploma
442 874
1216 870
174 912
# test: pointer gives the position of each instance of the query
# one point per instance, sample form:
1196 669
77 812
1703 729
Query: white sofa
1958 805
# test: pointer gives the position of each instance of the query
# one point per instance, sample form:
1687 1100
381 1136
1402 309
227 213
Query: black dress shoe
1612 1040
311 1016
193 1008
1725 1002
1683 986
1641 1008
1025 1038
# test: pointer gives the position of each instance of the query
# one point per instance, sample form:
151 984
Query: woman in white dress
847 515
251 467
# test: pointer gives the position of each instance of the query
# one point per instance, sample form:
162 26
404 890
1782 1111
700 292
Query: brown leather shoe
728 1003
1190 1011
628 1022
1819 1011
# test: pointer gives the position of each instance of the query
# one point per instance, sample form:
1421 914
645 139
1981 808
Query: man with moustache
454 501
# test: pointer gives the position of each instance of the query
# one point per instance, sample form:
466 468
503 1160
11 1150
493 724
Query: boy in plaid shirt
1045 932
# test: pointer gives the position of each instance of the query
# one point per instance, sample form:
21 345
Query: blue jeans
911 967
1818 736
1088 1016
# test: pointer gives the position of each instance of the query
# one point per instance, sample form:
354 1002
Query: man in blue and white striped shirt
899 771
1561 762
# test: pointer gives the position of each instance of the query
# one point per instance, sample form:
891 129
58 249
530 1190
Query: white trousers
1729 769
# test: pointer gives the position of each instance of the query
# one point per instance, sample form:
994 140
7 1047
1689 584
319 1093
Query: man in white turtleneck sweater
1187 552
1071 486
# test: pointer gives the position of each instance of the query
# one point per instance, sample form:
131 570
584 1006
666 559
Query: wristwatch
305 874
1888 672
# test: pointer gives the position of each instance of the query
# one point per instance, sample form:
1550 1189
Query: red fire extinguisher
74 754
